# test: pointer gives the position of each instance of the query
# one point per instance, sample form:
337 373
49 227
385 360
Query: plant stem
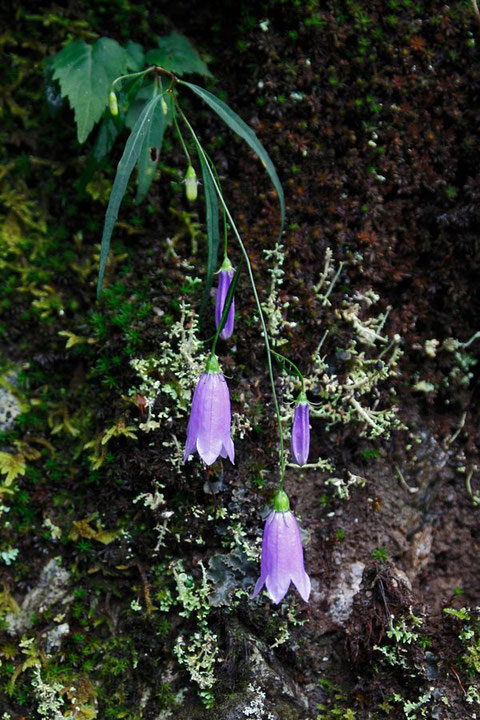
255 294
279 355
185 150
132 75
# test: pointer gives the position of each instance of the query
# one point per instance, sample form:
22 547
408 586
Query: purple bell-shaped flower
282 554
224 280
208 430
301 430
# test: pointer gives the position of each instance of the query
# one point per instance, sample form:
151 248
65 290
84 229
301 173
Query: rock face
268 691
341 596
52 587
10 408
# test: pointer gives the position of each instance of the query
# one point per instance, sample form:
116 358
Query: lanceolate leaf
150 152
125 166
104 142
177 54
241 128
213 233
85 73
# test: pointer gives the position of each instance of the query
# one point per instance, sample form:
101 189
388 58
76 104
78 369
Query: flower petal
303 584
296 564
195 417
258 586
228 449
277 556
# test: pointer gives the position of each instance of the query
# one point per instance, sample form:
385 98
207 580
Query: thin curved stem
132 75
185 149
255 294
297 371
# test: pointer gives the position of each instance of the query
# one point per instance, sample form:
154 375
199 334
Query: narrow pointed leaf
125 166
150 153
104 142
213 232
138 97
244 131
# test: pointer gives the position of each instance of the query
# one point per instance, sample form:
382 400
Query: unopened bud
191 184
164 106
113 103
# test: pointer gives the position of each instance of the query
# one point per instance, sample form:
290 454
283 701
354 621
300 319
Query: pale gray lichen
48 697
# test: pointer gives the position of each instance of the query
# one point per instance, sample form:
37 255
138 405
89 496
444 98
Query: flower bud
225 277
301 430
113 103
164 106
191 184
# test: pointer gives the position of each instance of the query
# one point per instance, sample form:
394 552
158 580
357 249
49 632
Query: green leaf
125 166
85 73
150 152
177 54
104 142
135 56
244 131
137 102
106 137
213 232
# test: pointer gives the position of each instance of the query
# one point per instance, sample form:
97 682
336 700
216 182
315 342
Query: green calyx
281 503
226 265
302 398
213 366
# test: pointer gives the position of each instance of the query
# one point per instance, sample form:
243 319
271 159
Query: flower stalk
255 294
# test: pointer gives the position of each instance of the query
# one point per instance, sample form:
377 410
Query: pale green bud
113 103
191 184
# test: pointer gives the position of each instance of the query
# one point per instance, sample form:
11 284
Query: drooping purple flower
301 430
224 280
282 554
208 430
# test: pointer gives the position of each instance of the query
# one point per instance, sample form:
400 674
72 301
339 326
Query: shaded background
370 114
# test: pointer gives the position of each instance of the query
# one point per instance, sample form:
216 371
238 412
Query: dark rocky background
370 112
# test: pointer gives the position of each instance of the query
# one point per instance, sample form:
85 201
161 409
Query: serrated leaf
177 54
135 56
124 170
246 133
150 153
85 73
213 232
